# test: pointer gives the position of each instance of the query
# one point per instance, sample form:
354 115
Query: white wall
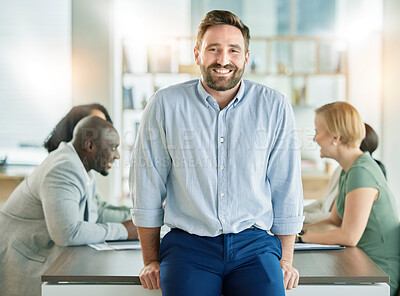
35 58
92 66
98 27
391 93
141 23
362 28
92 31
260 24
374 75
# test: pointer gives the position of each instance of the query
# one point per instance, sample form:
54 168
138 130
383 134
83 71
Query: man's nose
116 154
223 58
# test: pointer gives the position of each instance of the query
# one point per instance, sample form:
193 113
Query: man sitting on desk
54 207
220 151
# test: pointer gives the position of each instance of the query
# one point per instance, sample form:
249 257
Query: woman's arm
356 213
333 222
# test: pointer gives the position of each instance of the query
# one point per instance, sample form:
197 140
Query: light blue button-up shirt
219 171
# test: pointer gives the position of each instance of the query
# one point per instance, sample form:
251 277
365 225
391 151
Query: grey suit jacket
44 214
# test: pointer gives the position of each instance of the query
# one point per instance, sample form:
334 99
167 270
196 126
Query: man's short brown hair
222 17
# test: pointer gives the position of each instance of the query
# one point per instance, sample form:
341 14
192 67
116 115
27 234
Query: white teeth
222 71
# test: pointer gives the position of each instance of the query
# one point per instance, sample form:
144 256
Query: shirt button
221 139
223 220
221 167
222 194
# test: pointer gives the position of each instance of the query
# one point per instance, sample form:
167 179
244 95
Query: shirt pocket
27 252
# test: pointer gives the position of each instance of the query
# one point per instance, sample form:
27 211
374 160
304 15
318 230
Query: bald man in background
54 207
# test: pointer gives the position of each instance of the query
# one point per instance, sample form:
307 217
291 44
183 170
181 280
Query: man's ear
90 146
246 58
196 55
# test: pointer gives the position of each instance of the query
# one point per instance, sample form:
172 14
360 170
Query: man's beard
100 165
221 83
104 173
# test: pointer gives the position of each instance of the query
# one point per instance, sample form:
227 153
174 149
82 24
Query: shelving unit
309 71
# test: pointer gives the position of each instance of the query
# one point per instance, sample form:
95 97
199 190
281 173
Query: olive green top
381 237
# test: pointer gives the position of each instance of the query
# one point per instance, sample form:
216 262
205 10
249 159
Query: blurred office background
56 54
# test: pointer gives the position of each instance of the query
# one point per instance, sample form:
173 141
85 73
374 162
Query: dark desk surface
84 264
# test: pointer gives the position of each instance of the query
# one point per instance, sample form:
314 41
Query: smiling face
323 138
106 151
222 57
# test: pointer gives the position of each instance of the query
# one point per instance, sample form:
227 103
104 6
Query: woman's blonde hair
342 119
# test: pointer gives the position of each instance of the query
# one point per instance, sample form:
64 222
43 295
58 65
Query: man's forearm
287 242
290 274
150 242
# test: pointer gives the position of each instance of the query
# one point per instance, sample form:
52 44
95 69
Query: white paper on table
120 245
304 247
125 245
101 247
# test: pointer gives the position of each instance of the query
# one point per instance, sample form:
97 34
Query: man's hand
150 273
290 275
150 276
132 231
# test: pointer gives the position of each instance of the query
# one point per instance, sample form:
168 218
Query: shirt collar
205 95
88 176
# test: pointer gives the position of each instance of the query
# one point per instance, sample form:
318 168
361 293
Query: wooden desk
8 184
85 271
315 185
10 177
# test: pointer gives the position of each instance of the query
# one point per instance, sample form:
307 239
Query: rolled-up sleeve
284 176
150 166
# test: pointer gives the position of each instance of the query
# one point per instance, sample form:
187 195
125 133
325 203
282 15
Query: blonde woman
364 214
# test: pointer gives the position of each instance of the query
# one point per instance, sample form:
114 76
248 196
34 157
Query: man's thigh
190 265
260 276
256 270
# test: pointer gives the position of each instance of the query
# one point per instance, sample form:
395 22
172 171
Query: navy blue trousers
242 264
